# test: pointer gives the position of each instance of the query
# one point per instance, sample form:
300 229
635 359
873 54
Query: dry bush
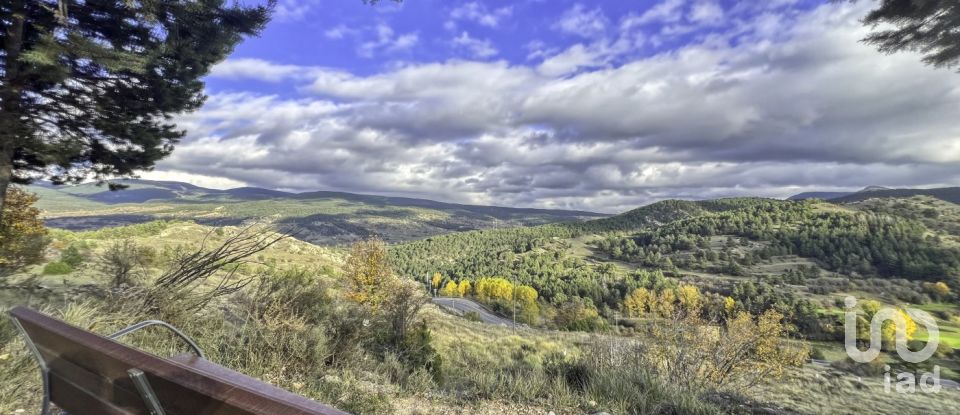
690 352
125 262
196 277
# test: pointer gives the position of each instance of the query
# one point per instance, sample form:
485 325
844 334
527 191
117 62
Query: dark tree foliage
931 27
524 255
535 256
862 243
87 88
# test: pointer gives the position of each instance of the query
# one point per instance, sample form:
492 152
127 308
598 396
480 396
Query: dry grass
821 390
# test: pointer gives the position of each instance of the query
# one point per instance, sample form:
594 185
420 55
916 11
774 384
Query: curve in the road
462 306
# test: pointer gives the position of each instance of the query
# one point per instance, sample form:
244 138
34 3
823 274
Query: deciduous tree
463 288
690 299
368 274
22 234
450 290
638 302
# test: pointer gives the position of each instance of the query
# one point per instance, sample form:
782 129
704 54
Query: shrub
578 315
57 268
299 291
72 256
944 350
125 261
472 316
418 352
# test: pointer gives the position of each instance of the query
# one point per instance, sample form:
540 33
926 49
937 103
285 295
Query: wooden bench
88 374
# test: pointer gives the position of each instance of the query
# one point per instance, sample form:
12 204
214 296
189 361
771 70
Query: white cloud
249 68
384 39
478 13
582 22
667 11
775 112
573 58
481 49
210 182
706 12
293 10
338 32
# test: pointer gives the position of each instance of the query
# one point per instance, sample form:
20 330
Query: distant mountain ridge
140 191
320 217
948 194
819 195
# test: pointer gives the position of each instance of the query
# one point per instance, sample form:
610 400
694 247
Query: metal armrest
148 323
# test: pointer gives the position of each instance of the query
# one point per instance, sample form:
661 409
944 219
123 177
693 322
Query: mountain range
321 216
334 217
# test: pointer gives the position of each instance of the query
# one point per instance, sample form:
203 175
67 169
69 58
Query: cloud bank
783 102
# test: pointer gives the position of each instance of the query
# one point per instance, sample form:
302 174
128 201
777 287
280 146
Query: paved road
463 305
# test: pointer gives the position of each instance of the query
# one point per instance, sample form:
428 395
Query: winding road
462 306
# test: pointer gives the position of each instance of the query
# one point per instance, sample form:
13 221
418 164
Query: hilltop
948 194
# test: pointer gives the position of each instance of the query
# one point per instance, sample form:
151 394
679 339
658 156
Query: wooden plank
247 382
88 368
79 400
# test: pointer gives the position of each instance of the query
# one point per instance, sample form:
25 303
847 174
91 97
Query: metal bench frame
136 375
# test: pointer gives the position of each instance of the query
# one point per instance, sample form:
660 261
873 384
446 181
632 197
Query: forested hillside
847 242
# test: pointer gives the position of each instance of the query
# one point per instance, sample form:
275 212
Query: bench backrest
88 375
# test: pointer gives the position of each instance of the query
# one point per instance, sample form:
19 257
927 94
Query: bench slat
89 372
77 400
227 374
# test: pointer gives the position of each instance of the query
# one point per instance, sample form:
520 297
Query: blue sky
570 104
365 39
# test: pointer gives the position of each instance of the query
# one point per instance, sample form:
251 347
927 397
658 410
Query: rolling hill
948 194
321 217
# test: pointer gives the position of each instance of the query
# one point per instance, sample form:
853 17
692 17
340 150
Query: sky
600 105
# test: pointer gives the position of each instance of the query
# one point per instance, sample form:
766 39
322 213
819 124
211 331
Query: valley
575 284
319 217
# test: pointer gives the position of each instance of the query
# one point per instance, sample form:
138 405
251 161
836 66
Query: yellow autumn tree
436 279
22 234
690 299
665 306
870 308
463 289
450 290
494 289
729 305
368 275
938 290
526 298
889 329
526 295
638 302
